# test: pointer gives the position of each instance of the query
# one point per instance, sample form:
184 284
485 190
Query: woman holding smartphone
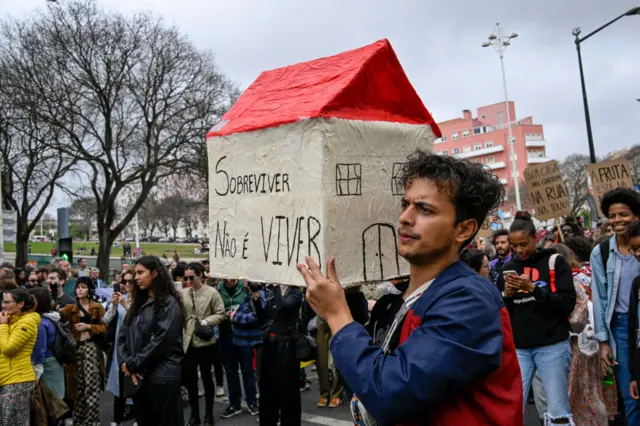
540 296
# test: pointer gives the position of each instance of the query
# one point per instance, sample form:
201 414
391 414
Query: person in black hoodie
150 348
540 302
280 369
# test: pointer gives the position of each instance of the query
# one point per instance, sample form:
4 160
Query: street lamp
576 32
500 41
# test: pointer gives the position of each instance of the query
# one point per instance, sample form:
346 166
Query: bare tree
33 167
575 171
633 155
128 93
525 198
148 215
83 211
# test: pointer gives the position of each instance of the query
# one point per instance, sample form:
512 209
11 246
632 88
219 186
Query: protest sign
315 169
608 175
485 228
548 191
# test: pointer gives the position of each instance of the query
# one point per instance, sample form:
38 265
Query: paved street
311 414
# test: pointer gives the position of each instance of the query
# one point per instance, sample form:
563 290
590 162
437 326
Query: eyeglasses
190 278
7 302
129 281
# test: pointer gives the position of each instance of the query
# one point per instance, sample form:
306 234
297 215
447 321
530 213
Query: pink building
483 139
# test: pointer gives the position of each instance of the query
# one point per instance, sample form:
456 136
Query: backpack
580 316
605 246
64 346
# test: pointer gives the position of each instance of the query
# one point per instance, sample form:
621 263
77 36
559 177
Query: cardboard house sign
608 175
309 161
548 191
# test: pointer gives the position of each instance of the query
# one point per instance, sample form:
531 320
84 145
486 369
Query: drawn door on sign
380 249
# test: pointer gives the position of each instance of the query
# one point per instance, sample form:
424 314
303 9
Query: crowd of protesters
480 327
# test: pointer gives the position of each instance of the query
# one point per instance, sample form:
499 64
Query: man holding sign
449 357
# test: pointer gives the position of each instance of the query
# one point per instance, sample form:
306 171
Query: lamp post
500 41
576 32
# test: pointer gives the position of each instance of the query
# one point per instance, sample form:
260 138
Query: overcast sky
439 46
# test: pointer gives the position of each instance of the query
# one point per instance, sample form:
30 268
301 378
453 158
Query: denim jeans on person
620 330
552 362
236 357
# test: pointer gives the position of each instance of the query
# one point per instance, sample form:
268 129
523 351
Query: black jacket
634 353
358 307
281 312
540 318
152 344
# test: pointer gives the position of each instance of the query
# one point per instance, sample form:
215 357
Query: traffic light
65 249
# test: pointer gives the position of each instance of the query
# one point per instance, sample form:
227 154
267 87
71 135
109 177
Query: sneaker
323 402
220 391
254 410
208 420
231 411
194 422
114 424
335 402
305 386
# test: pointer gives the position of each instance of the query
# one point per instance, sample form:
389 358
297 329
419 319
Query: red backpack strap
552 272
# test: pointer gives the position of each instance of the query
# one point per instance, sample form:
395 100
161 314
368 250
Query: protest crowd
481 326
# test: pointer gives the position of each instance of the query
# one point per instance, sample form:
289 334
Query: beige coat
208 307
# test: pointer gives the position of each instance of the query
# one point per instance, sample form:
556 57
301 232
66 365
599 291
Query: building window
444 152
477 147
348 179
444 138
397 178
491 159
500 118
477 130
466 148
465 134
488 144
535 154
454 136
456 151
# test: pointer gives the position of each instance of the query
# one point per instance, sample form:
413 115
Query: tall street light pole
500 41
587 117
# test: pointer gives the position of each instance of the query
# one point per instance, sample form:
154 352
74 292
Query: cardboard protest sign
548 191
608 175
315 169
485 228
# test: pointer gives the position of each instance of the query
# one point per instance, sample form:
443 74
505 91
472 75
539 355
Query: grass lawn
156 249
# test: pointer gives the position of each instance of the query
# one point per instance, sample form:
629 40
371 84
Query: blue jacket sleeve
459 340
599 296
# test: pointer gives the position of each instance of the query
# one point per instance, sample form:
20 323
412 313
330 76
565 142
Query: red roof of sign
362 84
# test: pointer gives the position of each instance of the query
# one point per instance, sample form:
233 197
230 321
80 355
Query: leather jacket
152 344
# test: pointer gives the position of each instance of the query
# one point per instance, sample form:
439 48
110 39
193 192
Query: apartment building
483 139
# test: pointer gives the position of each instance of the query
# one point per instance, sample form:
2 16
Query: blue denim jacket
604 286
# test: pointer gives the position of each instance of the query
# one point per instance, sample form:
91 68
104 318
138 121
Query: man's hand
325 294
4 318
83 327
607 362
633 389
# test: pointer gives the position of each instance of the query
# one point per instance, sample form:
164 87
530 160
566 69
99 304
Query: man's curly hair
473 190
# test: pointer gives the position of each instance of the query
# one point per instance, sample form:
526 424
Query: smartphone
116 288
505 273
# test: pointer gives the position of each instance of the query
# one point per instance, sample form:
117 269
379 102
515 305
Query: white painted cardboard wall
319 187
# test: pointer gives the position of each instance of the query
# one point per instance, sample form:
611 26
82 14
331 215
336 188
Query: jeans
552 362
200 358
620 330
280 384
234 357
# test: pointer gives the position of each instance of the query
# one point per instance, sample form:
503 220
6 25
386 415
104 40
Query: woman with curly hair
85 377
150 346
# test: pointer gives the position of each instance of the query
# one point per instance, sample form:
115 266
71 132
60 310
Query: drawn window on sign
348 179
397 178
